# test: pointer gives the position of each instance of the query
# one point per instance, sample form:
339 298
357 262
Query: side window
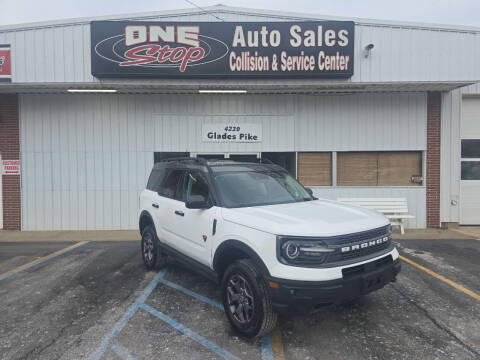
171 185
195 184
155 179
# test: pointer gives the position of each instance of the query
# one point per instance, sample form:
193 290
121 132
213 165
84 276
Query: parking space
96 301
11 257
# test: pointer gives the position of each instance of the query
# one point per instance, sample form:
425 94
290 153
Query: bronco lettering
364 245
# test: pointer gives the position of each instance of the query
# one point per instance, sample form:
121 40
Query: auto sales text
323 60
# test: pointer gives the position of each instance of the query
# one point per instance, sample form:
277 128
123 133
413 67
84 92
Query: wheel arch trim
239 245
144 214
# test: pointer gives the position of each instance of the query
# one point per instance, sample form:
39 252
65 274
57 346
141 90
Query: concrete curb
62 236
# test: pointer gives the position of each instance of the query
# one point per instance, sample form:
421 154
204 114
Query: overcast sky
461 12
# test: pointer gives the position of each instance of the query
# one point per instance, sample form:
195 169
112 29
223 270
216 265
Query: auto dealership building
353 107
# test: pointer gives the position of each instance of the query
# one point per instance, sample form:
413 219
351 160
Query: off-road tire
152 256
264 319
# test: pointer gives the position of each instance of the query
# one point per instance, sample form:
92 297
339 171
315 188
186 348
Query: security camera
366 52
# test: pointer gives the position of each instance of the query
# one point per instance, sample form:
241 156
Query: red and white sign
10 167
5 63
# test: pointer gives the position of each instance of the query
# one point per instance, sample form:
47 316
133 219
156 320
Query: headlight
298 251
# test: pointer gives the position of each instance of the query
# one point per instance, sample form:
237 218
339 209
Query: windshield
249 188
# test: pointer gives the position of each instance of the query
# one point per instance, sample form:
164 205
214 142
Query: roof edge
219 9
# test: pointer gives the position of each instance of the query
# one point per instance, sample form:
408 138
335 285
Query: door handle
155 206
178 212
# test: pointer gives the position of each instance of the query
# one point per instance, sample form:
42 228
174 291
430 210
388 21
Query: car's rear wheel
151 253
246 300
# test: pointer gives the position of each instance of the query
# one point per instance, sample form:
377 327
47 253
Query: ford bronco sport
264 237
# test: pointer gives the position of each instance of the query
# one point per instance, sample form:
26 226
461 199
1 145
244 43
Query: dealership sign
222 49
5 63
234 133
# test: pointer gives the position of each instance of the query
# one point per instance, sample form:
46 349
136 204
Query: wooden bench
395 209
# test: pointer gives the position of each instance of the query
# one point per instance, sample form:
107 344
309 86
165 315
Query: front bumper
304 296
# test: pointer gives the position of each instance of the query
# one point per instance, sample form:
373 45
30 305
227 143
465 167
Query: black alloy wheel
151 254
246 300
240 299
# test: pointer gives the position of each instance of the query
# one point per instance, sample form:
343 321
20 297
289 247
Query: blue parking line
120 324
41 260
191 334
266 343
267 351
122 352
192 294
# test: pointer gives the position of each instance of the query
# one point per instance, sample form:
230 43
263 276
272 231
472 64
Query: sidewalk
432 234
133 235
471 231
47 236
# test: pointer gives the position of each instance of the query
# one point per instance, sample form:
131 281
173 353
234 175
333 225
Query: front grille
349 240
357 237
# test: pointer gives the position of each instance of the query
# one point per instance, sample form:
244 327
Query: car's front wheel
151 254
246 300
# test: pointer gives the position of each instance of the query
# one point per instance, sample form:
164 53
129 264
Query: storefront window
315 168
284 159
378 168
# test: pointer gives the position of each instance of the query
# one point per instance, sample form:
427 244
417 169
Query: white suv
258 232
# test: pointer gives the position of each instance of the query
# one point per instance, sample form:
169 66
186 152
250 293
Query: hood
309 218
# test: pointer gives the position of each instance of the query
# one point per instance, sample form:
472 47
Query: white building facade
403 121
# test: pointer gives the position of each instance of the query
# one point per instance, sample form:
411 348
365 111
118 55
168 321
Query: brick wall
10 150
433 159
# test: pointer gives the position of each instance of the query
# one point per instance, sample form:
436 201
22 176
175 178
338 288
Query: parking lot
95 300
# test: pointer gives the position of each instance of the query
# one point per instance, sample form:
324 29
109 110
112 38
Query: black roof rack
192 159
266 161
214 162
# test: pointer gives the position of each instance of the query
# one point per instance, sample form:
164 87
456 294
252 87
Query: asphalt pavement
96 300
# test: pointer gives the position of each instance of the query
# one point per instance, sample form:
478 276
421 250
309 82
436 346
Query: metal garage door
470 162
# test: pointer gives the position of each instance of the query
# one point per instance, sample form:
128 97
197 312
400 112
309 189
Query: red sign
10 167
5 63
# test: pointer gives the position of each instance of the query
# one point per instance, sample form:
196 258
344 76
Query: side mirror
198 202
310 191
